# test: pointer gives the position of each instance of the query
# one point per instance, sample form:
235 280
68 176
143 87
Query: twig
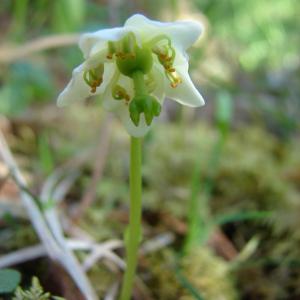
11 54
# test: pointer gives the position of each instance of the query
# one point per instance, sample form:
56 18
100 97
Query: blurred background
221 183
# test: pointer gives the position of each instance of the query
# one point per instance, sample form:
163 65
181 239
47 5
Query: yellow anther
119 93
163 56
175 83
171 70
94 77
111 49
174 79
95 84
123 55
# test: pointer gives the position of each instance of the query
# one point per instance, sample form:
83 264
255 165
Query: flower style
134 67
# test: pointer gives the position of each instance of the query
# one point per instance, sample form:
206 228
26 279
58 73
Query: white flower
134 67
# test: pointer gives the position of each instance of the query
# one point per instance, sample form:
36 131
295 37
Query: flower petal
182 33
136 131
91 43
185 93
76 89
159 91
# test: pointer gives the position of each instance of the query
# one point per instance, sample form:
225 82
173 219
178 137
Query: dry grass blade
112 291
36 251
21 256
54 249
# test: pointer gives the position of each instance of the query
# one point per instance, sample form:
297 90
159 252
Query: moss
101 279
209 274
17 235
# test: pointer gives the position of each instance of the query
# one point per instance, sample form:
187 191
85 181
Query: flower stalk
133 234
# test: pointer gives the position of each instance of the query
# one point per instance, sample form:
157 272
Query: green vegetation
35 292
9 279
223 181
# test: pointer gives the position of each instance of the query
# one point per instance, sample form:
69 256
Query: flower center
136 61
140 61
130 58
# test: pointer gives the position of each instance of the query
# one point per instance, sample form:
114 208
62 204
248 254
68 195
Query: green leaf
224 111
243 216
45 155
9 280
68 15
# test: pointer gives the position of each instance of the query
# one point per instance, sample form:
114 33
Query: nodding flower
133 68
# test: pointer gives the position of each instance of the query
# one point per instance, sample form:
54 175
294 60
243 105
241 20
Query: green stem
195 221
139 83
132 238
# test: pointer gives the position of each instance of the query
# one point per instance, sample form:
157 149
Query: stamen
111 50
156 40
85 77
174 79
162 47
94 77
171 70
120 93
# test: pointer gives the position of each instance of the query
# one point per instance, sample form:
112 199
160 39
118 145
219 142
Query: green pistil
140 60
139 83
129 43
143 102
